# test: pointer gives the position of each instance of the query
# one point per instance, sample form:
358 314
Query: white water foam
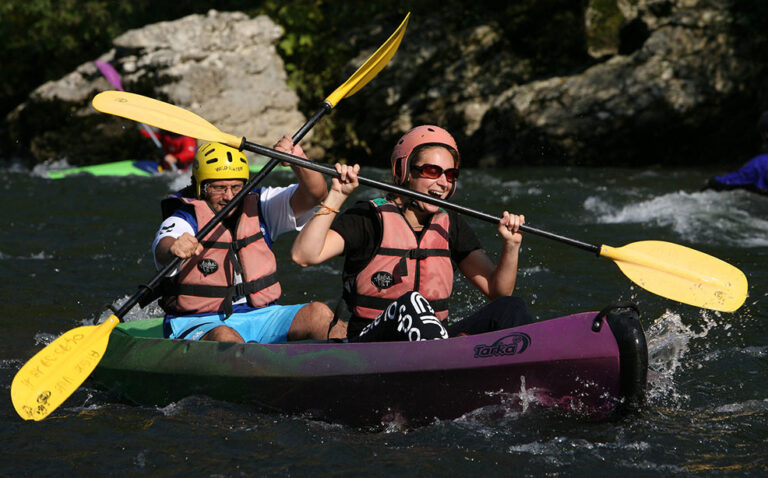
514 189
563 451
530 271
323 269
41 170
748 407
669 340
136 313
34 256
10 364
735 218
42 338
178 181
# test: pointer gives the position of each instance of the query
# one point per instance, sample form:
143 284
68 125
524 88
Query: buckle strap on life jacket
251 287
236 244
418 254
210 291
218 291
414 253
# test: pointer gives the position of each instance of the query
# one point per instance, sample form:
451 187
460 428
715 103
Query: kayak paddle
113 77
669 270
55 372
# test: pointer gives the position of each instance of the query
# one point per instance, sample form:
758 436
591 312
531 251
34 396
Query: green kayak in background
117 168
132 168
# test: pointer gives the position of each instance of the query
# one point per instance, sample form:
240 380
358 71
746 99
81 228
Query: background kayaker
179 151
228 291
753 176
394 246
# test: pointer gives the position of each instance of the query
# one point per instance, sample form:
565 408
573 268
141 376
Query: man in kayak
227 289
753 176
179 150
400 254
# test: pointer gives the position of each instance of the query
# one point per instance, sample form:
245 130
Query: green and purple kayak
131 168
589 363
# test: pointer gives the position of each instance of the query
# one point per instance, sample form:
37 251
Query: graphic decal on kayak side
511 344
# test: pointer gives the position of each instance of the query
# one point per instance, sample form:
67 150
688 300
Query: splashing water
136 313
669 340
733 218
179 181
41 170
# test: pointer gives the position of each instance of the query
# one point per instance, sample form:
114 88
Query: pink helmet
420 136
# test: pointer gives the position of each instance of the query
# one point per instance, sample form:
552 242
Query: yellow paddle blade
161 115
682 274
371 67
54 373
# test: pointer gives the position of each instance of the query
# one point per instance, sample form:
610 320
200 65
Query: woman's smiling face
439 187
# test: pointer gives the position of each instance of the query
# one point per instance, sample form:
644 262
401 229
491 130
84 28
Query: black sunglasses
433 171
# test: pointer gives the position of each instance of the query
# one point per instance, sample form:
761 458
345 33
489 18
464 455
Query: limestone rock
222 66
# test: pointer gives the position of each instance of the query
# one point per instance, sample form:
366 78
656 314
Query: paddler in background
753 176
400 254
179 151
228 290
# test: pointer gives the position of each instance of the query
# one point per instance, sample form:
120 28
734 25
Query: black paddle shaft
147 288
304 163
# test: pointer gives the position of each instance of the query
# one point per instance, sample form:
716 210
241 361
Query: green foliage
606 22
41 37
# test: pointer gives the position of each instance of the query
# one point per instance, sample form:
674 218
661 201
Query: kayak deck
580 363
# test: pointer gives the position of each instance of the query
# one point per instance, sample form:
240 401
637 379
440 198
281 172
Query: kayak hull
592 366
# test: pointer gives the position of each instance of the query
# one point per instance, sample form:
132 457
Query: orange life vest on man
401 263
205 282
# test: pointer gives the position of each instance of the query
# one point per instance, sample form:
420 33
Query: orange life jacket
400 264
205 282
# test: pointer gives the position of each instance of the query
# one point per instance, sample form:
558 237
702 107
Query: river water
70 247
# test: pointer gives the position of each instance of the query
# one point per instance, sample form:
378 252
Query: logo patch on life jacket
207 266
382 280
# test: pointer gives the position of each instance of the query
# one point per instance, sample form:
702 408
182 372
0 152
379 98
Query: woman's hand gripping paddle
669 270
54 373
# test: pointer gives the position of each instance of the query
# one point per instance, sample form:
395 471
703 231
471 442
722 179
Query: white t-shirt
276 217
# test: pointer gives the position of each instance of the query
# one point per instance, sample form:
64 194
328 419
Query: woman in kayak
400 254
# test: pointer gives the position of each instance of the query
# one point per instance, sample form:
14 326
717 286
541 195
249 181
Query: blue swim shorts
267 325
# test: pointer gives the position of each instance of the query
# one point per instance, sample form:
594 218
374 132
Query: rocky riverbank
653 82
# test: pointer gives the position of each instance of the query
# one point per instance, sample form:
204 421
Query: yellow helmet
217 161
